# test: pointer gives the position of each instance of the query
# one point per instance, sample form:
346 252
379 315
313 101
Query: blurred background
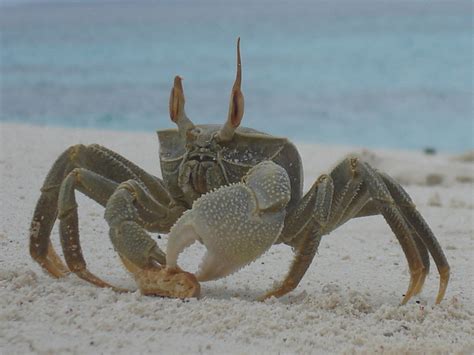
392 74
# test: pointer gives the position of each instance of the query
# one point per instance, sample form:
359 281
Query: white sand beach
348 301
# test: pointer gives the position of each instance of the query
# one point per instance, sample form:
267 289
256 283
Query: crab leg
353 200
100 189
92 185
139 252
44 216
97 159
304 254
355 189
317 203
423 232
153 184
369 209
386 204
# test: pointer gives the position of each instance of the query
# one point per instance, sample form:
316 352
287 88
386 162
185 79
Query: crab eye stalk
176 107
236 105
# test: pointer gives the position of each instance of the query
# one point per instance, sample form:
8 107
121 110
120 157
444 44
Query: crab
236 190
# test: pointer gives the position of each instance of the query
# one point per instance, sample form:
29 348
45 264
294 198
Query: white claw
236 223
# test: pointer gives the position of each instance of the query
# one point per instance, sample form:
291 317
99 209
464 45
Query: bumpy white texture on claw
236 223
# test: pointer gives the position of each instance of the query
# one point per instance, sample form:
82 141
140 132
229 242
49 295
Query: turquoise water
370 73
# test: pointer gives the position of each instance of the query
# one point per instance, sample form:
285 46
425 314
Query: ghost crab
236 190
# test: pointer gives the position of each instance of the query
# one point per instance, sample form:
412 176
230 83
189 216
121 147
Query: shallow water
378 74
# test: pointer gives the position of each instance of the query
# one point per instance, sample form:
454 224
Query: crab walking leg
128 231
349 191
304 255
153 184
363 206
386 204
358 188
44 216
94 158
307 239
423 232
236 223
353 200
99 189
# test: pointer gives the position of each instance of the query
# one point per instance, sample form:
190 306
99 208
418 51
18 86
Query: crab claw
236 223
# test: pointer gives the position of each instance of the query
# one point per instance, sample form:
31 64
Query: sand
348 302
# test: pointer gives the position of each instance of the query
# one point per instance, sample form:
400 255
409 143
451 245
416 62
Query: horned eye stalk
236 106
176 107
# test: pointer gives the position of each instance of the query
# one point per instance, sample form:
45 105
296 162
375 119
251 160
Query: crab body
236 190
197 164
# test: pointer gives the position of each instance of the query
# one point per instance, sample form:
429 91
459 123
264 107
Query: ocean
390 74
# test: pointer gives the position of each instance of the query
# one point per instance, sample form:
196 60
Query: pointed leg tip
286 287
417 280
407 297
53 267
420 283
443 284
410 292
91 278
441 293
52 263
277 292
54 270
264 297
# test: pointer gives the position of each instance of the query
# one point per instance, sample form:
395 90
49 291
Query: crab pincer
236 223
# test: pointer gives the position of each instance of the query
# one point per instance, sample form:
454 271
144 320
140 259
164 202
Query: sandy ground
348 302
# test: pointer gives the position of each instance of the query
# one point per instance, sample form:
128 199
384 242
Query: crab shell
231 160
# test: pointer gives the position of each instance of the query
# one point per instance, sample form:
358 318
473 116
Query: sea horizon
373 74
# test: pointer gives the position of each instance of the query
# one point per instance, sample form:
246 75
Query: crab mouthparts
198 176
202 157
